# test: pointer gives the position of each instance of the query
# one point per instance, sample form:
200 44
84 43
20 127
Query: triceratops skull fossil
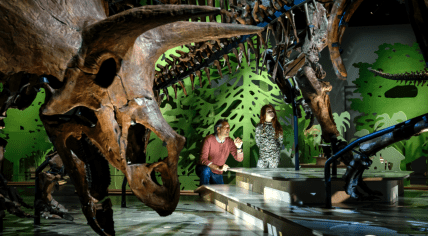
100 106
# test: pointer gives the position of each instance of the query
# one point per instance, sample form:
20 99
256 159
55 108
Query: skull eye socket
53 81
106 73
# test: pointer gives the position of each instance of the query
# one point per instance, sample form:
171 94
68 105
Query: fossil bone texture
407 77
47 205
103 90
98 73
324 29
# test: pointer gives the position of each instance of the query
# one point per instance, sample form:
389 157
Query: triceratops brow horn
125 27
180 33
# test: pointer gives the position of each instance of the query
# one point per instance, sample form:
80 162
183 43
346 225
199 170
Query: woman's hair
275 123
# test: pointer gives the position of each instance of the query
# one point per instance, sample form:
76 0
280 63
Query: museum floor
196 217
192 217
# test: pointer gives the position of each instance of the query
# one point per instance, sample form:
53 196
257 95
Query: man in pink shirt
215 151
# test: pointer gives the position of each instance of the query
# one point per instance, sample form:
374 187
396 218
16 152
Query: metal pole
334 167
296 127
327 187
296 135
125 181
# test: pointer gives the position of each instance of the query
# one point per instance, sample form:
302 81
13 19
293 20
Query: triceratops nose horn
116 34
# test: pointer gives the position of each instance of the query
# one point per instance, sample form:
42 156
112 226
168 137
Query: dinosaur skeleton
46 204
98 76
103 93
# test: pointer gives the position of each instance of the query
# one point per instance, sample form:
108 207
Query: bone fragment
333 39
175 90
199 74
212 4
237 56
250 43
226 58
247 57
284 30
349 12
222 6
290 16
263 41
278 32
165 91
240 20
184 88
217 64
192 80
202 3
255 11
270 29
207 72
308 21
277 49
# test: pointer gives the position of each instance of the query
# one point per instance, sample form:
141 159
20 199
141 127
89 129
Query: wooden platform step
267 214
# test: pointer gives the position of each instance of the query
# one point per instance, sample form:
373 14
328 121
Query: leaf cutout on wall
389 121
342 121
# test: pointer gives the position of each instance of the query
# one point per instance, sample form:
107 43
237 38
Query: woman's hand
238 142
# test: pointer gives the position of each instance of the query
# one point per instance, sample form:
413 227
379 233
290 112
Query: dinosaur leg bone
314 92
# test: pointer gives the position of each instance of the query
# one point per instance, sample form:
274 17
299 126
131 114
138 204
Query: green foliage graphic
26 137
238 98
391 99
390 157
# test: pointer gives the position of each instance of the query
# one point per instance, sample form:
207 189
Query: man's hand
238 142
224 167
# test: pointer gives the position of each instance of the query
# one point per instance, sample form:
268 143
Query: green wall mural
28 142
194 115
239 97
386 102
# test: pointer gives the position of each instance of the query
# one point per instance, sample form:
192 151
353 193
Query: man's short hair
218 124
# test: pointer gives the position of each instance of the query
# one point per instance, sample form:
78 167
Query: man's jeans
207 176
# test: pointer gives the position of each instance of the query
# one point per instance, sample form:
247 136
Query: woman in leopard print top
269 138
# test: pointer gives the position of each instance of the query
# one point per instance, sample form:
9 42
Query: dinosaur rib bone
178 34
333 39
349 12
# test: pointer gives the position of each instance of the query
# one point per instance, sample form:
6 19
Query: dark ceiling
380 12
371 13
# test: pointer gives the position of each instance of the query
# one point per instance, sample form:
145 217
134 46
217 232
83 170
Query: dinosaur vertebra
102 89
415 77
